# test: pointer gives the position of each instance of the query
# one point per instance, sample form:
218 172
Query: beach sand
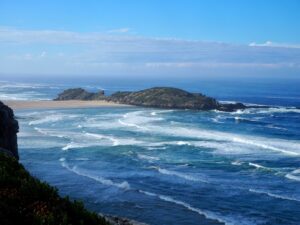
49 104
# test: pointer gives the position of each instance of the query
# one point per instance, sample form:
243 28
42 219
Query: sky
150 38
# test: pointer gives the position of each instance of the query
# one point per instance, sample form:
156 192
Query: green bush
26 200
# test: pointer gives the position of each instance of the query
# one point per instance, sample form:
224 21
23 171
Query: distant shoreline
50 104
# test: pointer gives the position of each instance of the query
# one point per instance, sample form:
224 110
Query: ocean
170 166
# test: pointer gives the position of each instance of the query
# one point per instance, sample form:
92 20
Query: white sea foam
228 142
179 174
207 214
270 110
138 120
223 141
237 163
52 117
124 185
74 145
286 147
114 141
147 157
87 139
130 124
258 166
274 195
82 159
228 102
47 119
216 120
276 128
261 144
239 112
279 110
183 143
55 133
294 175
233 143
157 148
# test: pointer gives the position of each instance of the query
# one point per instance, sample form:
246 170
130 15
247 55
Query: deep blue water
171 166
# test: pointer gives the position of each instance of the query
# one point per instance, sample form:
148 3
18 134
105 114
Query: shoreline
50 104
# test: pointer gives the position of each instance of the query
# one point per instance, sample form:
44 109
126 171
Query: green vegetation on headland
157 97
26 200
23 198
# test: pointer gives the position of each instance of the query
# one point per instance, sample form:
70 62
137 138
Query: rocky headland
26 200
8 131
157 97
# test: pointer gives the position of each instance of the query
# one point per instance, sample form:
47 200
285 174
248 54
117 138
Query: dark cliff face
8 131
79 94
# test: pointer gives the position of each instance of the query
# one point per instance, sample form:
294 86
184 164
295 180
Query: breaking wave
258 166
294 175
207 214
179 174
123 185
274 195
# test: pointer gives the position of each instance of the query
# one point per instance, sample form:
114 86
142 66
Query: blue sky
116 37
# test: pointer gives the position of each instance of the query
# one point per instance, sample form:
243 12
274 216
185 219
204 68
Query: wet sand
49 104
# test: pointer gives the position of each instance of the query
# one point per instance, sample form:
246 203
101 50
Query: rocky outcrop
79 94
173 98
8 131
157 97
117 220
162 97
231 107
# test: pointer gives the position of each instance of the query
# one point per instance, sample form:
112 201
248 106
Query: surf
123 185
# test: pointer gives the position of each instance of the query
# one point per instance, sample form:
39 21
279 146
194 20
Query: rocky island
80 94
157 97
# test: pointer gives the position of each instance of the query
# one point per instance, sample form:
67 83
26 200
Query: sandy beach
49 104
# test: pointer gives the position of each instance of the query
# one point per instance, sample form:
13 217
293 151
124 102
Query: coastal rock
79 94
157 97
8 131
117 220
165 97
231 107
172 98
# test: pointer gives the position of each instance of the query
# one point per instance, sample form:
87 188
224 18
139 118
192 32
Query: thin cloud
58 51
274 45
120 30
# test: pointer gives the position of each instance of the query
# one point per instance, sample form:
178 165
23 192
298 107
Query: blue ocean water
171 166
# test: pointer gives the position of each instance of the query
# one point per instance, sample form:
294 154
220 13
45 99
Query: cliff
23 198
8 131
157 97
26 200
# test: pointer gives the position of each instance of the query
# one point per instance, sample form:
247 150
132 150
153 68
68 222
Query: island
157 97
